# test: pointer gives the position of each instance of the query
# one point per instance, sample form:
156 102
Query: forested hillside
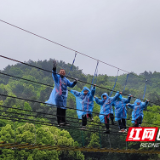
30 132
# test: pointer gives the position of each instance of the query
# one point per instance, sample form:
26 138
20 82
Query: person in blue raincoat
137 113
59 94
106 110
121 111
84 104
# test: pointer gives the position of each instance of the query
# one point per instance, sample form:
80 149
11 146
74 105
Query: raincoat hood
84 103
104 94
137 101
85 88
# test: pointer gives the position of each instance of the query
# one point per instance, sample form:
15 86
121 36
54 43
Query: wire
23 114
50 124
41 113
50 71
72 63
34 120
67 76
52 114
145 89
60 44
44 114
39 83
95 74
60 116
114 84
30 100
48 86
28 146
125 82
67 47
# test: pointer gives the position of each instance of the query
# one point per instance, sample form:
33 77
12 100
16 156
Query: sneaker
67 124
58 125
83 128
92 119
61 124
125 130
107 131
139 125
121 130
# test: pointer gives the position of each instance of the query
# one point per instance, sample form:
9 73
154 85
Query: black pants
84 119
122 123
111 116
61 115
138 121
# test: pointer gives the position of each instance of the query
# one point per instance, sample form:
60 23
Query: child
59 94
121 111
84 103
106 110
137 113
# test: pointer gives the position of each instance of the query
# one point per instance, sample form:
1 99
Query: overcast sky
125 33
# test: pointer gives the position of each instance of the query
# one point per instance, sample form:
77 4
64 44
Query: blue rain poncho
106 105
84 103
59 94
120 107
137 109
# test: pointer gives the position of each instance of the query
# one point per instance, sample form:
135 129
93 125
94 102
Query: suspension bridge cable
16 77
65 76
55 115
19 119
45 114
60 44
66 47
25 99
39 83
23 114
35 101
28 146
114 84
51 86
50 71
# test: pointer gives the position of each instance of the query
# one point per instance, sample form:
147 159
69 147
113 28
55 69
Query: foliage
23 132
